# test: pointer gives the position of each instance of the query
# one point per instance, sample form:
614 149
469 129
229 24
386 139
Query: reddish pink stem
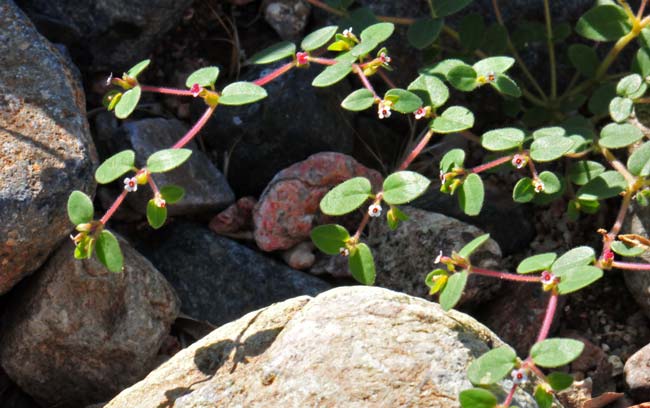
195 129
490 165
505 275
417 150
510 396
167 91
631 266
548 317
364 80
114 207
641 9
323 61
152 184
273 75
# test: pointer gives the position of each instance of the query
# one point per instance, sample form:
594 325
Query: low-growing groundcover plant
584 144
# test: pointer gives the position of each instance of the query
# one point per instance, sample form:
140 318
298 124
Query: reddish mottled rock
637 374
288 207
236 218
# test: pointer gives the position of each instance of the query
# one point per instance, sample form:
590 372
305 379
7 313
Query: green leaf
639 161
574 279
128 102
502 139
274 53
624 250
156 215
205 77
172 194
551 182
524 190
492 366
579 256
330 238
473 245
453 119
108 251
378 33
537 263
471 195
318 38
454 158
432 90
436 280
138 68
362 265
241 93
477 398
168 159
556 352
505 85
583 171
543 398
559 381
115 166
334 73
453 291
606 185
404 186
641 61
550 148
424 32
549 131
616 136
346 197
403 100
358 100
629 85
80 208
602 96
463 77
364 48
620 109
394 216
443 8
442 68
606 22
583 59
493 65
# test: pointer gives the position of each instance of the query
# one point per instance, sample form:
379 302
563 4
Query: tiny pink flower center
302 58
196 90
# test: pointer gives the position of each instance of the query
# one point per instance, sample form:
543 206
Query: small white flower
538 185
385 59
519 376
519 161
420 113
374 210
344 252
348 33
438 258
491 77
131 184
383 109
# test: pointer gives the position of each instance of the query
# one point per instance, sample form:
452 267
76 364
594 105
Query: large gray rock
219 280
78 334
45 146
638 282
637 374
206 189
106 34
265 137
349 347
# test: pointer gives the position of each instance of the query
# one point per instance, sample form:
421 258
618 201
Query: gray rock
219 280
206 189
638 282
45 146
287 17
106 34
263 138
637 374
78 334
349 347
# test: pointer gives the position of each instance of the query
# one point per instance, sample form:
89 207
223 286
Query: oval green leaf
430 89
551 182
502 139
330 238
377 33
274 53
471 195
168 159
362 265
477 398
80 208
639 161
359 100
506 86
404 186
138 68
156 215
108 251
472 246
583 171
241 93
115 166
205 77
334 73
463 77
616 136
128 102
423 32
606 22
620 109
346 197
579 256
537 263
524 190
403 100
318 38
624 250
453 291
550 148
559 381
574 279
453 119
455 158
556 352
492 366
172 194
493 65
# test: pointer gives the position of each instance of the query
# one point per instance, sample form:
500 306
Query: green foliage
346 197
334 73
430 89
128 102
453 119
274 53
424 32
624 250
403 100
473 245
318 38
453 290
543 398
241 93
639 161
109 252
172 194
359 100
330 238
583 171
138 68
471 195
607 22
559 381
477 398
584 59
606 185
362 264
80 208
205 77
492 366
463 77
168 159
502 139
404 186
115 166
537 263
550 148
156 215
556 352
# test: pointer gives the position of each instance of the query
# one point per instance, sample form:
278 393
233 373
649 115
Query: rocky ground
229 304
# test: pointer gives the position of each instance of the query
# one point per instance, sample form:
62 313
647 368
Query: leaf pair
159 162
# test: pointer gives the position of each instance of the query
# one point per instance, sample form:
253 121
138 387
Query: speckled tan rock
45 146
77 334
348 347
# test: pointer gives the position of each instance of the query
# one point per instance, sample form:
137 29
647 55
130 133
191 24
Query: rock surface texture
78 334
106 34
219 280
638 282
287 17
289 207
349 347
45 146
637 374
206 189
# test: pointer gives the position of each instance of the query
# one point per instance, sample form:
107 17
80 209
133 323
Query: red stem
167 91
641 9
114 207
417 150
490 165
195 129
631 266
323 61
505 275
364 80
273 75
510 396
548 318
152 184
